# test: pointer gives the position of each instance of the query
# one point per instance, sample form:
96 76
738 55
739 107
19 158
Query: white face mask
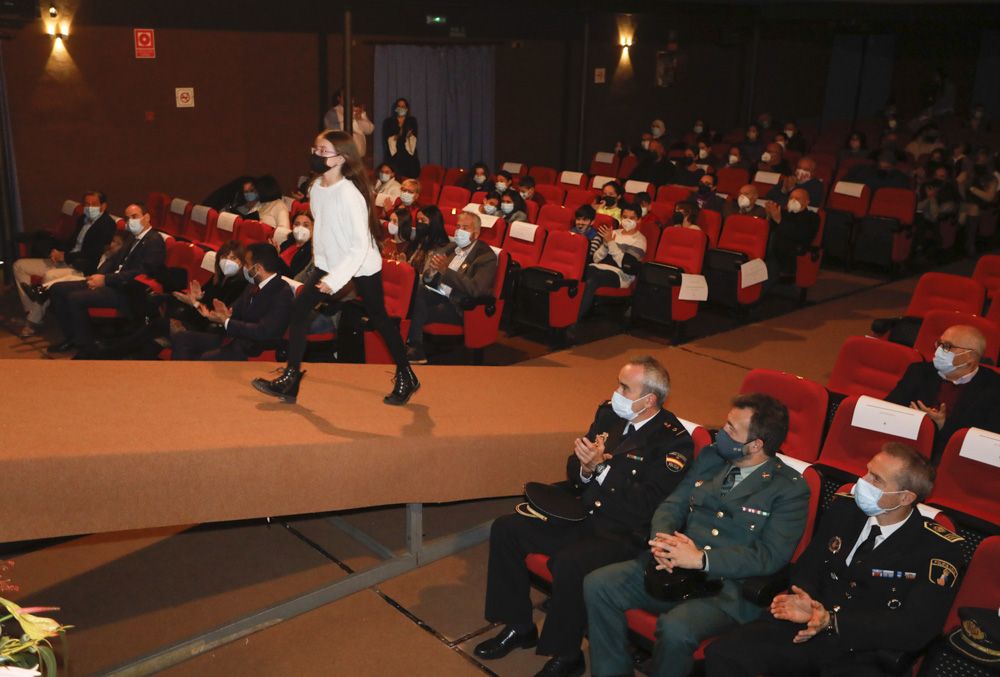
645 210
743 201
479 179
507 207
789 133
406 198
301 234
765 157
501 186
657 132
645 145
229 267
623 406
393 228
384 177
135 226
733 159
628 224
93 213
702 153
802 175
794 206
525 195
490 209
698 129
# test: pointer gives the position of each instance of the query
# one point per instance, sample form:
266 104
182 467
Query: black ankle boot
406 385
285 387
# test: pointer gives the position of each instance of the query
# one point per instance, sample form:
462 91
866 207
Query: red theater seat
806 402
452 198
397 286
555 217
868 366
251 232
936 321
808 262
966 485
987 273
157 203
604 163
200 224
943 291
568 179
454 176
731 179
554 195
743 238
672 193
710 221
576 197
524 243
543 175
175 220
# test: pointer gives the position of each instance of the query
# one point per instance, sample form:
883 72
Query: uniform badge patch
942 572
600 438
835 544
676 461
972 629
939 530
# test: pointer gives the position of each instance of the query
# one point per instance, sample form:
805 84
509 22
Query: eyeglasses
948 346
322 152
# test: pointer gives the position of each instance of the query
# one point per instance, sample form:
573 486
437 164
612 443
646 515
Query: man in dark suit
954 390
77 255
793 227
466 269
632 457
876 580
256 322
739 513
142 254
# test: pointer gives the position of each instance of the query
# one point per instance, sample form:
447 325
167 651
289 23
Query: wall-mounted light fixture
53 12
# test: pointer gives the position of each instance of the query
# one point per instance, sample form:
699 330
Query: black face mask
704 189
318 164
678 218
609 201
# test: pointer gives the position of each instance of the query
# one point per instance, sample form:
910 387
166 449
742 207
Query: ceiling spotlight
53 12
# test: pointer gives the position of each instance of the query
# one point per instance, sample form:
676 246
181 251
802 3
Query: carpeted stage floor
133 449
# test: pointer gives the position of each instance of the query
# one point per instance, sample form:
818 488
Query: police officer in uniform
740 512
633 456
876 580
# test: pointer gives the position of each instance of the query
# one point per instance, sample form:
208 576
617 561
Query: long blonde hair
353 170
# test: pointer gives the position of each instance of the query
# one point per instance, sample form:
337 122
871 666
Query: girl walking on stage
344 235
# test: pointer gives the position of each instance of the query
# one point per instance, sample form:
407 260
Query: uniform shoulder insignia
844 494
675 461
942 532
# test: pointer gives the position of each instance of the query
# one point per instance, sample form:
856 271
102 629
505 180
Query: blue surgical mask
229 267
463 238
250 278
507 207
384 177
135 226
479 179
944 361
250 196
623 406
93 213
393 228
729 449
867 496
490 209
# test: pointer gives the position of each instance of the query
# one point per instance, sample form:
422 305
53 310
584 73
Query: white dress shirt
880 539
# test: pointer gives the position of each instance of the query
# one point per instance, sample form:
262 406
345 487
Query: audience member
840 611
793 228
527 191
705 196
465 269
654 166
883 174
772 160
635 453
925 141
795 142
953 390
512 207
644 201
752 145
706 160
296 250
401 241
431 235
77 255
583 224
257 320
503 181
980 196
658 130
804 178
409 198
855 147
399 134
735 159
477 178
491 204
361 126
688 172
143 254
616 261
271 208
387 188
248 200
609 203
686 214
704 525
744 203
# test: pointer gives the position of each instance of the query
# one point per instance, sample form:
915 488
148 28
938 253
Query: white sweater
342 244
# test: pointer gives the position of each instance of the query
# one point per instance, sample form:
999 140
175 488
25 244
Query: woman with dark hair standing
344 239
399 134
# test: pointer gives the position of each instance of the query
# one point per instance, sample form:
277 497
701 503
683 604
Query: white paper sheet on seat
69 206
981 445
752 272
794 463
599 181
572 178
693 288
770 178
485 220
177 205
604 156
208 262
885 417
633 186
512 167
226 222
199 214
849 188
522 230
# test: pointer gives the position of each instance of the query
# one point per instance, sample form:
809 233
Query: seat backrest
632 187
432 173
565 252
673 193
710 221
936 321
980 585
176 216
251 232
543 175
963 482
852 198
894 203
68 217
201 223
869 366
453 197
575 197
555 217
699 434
944 291
453 176
627 166
397 287
604 163
746 234
597 181
651 232
157 203
227 226
815 483
682 247
731 179
520 169
987 273
503 264
806 402
524 243
849 448
571 179
554 195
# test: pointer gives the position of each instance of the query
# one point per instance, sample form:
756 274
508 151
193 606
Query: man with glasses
953 390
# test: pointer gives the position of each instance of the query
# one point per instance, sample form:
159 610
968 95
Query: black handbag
550 502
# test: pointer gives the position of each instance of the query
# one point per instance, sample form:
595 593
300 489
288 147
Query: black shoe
406 385
38 293
505 642
285 387
564 666
63 347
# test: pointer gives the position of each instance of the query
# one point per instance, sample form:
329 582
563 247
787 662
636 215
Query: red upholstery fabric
966 485
684 248
987 273
555 217
936 321
397 287
856 206
894 203
554 195
731 179
453 176
746 234
710 221
567 253
578 196
525 253
480 328
157 204
453 197
250 232
431 174
603 168
176 216
806 402
543 175
869 366
495 235
980 585
200 223
672 193
946 292
807 265
627 166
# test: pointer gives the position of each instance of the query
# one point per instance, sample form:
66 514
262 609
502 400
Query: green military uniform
750 531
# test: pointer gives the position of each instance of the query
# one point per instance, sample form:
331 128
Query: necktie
253 291
730 481
865 548
628 431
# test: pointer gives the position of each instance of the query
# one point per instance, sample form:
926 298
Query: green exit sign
436 20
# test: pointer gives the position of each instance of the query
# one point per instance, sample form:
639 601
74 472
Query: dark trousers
765 647
575 549
203 345
72 300
429 307
595 279
369 288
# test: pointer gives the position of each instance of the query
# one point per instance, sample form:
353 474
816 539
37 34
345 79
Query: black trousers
369 288
765 647
72 300
575 550
595 279
204 345
428 307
